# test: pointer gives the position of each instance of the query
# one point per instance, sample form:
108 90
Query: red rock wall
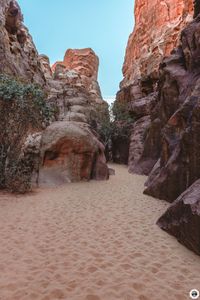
84 64
178 113
18 54
158 25
84 61
157 28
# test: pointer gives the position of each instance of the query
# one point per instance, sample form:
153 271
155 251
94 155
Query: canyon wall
161 89
48 116
157 30
18 54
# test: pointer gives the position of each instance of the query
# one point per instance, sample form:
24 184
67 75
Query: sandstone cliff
18 54
165 140
71 100
156 33
157 30
77 77
81 67
177 112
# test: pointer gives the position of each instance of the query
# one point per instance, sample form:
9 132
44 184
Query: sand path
91 241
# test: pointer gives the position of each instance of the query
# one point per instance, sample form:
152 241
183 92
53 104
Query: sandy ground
91 241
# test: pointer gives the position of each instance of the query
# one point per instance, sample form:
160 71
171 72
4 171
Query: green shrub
118 125
28 97
23 110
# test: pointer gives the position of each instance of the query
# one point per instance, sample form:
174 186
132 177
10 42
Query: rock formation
164 99
157 28
182 219
71 152
80 66
18 55
73 98
156 33
74 90
74 87
178 113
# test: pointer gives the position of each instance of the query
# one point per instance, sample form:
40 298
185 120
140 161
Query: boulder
71 152
182 218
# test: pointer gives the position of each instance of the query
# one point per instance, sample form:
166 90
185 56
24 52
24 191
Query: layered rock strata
79 67
74 91
73 86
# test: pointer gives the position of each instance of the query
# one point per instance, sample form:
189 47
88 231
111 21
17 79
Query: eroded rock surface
73 87
178 111
18 54
157 30
76 153
79 67
182 219
71 152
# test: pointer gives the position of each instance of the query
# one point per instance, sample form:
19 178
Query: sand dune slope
91 241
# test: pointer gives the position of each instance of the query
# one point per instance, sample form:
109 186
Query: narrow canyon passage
91 241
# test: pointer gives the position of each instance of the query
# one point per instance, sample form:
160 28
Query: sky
103 25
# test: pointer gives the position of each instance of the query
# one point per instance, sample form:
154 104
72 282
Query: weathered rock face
45 66
182 219
71 152
79 67
136 148
174 132
156 33
74 153
157 30
73 87
18 55
179 115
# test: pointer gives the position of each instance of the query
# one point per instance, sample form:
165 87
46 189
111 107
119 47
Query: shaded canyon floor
91 241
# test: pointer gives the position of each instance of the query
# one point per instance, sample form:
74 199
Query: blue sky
103 25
